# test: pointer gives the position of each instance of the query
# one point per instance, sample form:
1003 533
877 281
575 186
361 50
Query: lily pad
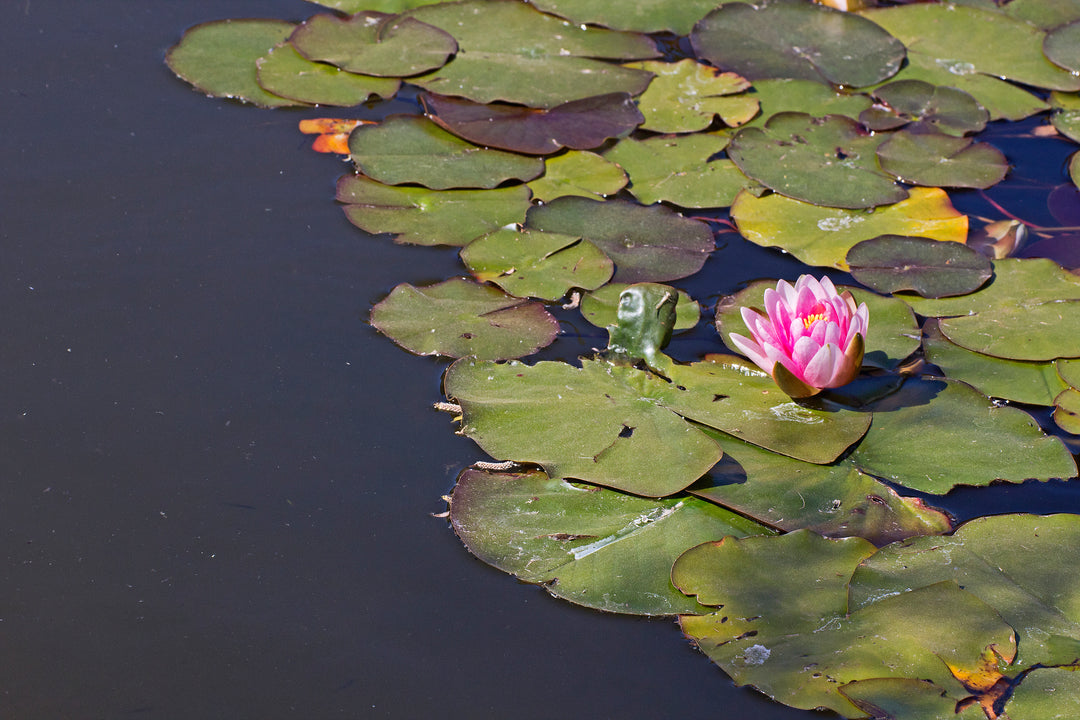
219 58
1000 560
578 172
797 40
530 263
350 7
457 317
831 500
825 161
823 236
805 96
1074 169
931 268
1046 14
1062 46
287 73
420 216
597 423
511 51
600 307
945 109
579 124
648 244
374 43
683 170
935 159
907 446
410 149
1046 694
1067 410
908 699
677 16
592 546
686 96
1035 383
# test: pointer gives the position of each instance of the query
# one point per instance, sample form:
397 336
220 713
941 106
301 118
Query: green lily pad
1045 14
457 317
931 268
1067 410
682 170
373 43
648 244
1001 560
784 626
410 149
529 263
908 699
677 16
797 40
351 7
1067 122
989 42
1074 169
1034 383
592 546
219 57
579 124
578 172
892 336
831 500
945 109
686 96
420 216
934 435
1046 694
825 161
823 236
935 159
1062 46
600 307
804 96
511 51
1029 311
287 73
597 423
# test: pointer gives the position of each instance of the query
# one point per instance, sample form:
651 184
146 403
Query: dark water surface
216 481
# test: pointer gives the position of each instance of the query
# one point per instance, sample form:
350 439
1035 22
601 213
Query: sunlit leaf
907 445
592 546
648 244
1062 46
219 57
286 73
410 149
457 317
804 96
944 109
597 423
935 159
825 161
600 307
1036 383
677 16
686 96
832 500
530 263
797 40
1046 694
683 170
510 51
430 217
578 172
1002 560
931 268
823 236
579 124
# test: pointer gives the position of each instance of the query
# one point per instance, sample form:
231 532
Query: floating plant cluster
587 152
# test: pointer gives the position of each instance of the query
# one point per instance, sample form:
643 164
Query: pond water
217 480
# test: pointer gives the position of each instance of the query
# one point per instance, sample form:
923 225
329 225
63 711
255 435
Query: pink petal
803 353
751 350
823 367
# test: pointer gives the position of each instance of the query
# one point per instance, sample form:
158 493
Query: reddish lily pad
579 124
931 268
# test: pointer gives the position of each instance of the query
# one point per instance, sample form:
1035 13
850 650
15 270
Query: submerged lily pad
219 58
797 40
373 43
578 172
823 236
579 124
592 546
457 317
984 443
825 161
648 244
420 216
529 263
931 268
686 96
287 73
935 159
410 149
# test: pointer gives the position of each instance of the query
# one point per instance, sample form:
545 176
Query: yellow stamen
811 319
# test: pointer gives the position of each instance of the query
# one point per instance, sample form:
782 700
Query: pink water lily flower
811 338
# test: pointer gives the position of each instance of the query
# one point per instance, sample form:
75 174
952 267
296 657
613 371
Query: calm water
216 481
